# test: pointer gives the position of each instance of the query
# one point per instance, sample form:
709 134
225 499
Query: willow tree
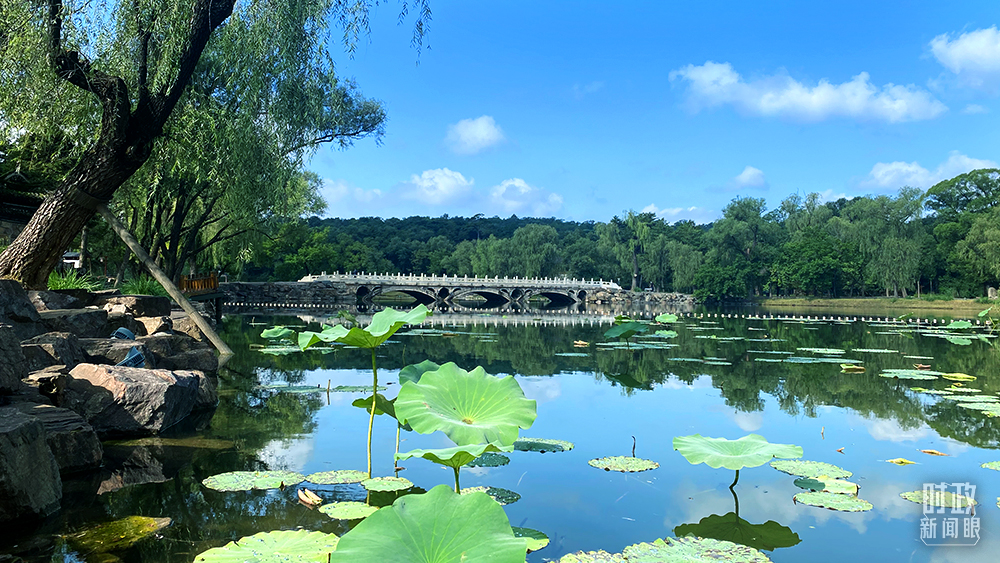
110 74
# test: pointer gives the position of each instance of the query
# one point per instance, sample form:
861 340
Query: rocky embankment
643 298
61 391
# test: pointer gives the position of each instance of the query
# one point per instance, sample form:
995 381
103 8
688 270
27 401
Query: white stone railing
463 281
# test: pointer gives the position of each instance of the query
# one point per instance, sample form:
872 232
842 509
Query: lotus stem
736 480
736 500
458 489
371 417
395 462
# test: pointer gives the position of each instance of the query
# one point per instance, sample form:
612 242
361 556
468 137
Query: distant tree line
945 241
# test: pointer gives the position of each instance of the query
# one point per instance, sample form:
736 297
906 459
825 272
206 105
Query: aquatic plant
751 450
279 546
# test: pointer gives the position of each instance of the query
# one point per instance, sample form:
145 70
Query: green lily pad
248 480
730 527
355 388
456 456
875 351
666 333
592 557
536 539
972 398
834 501
825 351
666 318
944 499
814 469
277 332
348 510
413 372
502 496
117 535
690 549
931 391
338 477
470 407
749 451
991 409
994 465
490 459
294 389
908 374
958 324
384 324
542 445
824 484
279 546
438 526
959 377
387 484
571 354
624 464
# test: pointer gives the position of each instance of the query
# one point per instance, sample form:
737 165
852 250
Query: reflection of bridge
448 289
528 318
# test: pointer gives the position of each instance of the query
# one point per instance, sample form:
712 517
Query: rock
16 310
30 486
50 382
48 300
136 305
124 320
208 394
113 350
164 346
13 366
85 323
991 293
120 401
72 441
52 349
185 325
131 465
203 360
154 325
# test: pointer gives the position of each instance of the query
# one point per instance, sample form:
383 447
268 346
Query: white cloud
438 186
581 91
337 192
829 195
714 84
894 175
699 215
973 109
750 178
517 196
470 136
974 57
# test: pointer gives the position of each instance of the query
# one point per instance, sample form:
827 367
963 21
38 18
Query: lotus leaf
994 465
435 527
959 340
930 391
277 332
909 374
117 535
834 501
386 484
384 324
919 357
348 510
536 539
666 318
413 372
814 469
954 389
627 330
571 354
592 557
958 325
943 499
542 445
382 405
248 480
717 363
502 496
959 377
730 527
749 451
876 351
279 546
338 477
490 459
355 388
825 351
972 398
624 464
294 389
989 409
682 550
470 407
456 456
824 484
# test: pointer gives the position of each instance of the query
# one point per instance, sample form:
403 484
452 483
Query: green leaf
749 451
693 550
944 499
994 465
959 340
984 312
348 510
502 496
824 484
667 333
338 477
470 407
248 480
277 332
542 445
436 527
833 501
279 546
627 330
117 535
387 484
958 324
813 469
490 459
453 457
382 405
666 318
413 372
623 464
730 527
592 557
536 539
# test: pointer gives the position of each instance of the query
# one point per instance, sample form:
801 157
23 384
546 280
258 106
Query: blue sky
582 110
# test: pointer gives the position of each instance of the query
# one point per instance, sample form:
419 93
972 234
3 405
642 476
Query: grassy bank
884 305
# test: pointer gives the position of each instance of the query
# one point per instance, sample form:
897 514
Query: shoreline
961 306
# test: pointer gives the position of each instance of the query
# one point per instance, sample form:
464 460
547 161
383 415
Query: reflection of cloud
890 430
290 454
541 389
747 421
673 382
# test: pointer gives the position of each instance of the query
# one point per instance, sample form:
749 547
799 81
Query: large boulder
30 486
135 305
113 350
13 365
180 351
50 383
16 309
118 320
85 323
52 349
48 300
73 442
121 401
154 325
183 324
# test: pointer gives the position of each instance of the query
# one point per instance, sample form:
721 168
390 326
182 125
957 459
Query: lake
720 377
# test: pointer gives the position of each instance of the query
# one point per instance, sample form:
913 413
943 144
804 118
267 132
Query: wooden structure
204 288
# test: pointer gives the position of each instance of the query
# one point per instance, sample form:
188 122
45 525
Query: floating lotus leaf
294 389
502 496
435 527
623 463
972 398
749 451
994 465
944 499
908 374
413 372
683 550
456 456
919 357
717 363
348 510
959 377
771 360
959 340
824 484
277 332
592 557
876 351
117 535
384 324
821 360
356 388
989 409
470 407
536 539
666 333
248 480
834 501
666 318
957 325
338 477
930 391
279 546
490 459
814 469
825 351
386 484
730 527
571 354
901 461
963 389
542 445
627 330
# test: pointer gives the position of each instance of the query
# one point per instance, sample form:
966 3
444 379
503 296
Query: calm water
599 401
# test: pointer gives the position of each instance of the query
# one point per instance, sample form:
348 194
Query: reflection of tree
768 536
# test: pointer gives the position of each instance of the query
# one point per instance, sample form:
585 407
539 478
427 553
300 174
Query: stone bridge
448 289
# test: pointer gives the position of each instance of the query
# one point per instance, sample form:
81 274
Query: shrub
143 285
72 280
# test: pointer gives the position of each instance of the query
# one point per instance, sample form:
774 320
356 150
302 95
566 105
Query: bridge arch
493 298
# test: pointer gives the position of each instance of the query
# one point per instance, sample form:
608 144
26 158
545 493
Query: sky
583 110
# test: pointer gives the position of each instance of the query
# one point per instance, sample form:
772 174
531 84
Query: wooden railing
199 284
